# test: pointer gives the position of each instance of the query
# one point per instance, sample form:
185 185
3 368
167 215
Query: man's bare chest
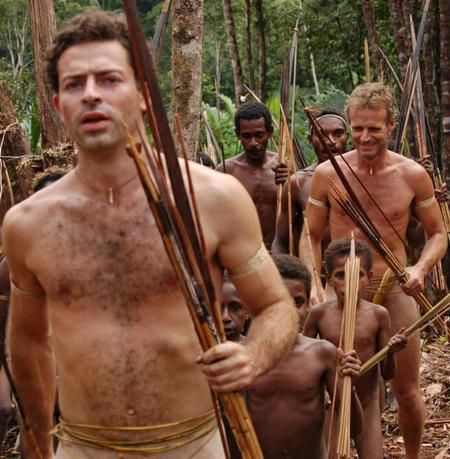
95 254
259 183
388 192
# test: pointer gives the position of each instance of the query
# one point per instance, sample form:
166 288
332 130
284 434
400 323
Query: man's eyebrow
82 73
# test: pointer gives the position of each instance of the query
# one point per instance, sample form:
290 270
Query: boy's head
297 279
234 312
335 257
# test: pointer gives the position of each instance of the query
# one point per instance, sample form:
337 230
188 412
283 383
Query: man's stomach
143 373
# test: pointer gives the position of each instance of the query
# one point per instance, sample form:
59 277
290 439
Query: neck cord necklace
111 189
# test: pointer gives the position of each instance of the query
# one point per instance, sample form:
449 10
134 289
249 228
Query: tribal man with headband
94 293
335 125
397 184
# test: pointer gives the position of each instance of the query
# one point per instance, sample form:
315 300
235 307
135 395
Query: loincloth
380 287
158 441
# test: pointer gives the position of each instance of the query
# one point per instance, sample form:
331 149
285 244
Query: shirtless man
371 334
397 184
94 293
335 125
258 169
287 404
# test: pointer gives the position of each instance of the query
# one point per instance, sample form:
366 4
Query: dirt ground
435 383
435 377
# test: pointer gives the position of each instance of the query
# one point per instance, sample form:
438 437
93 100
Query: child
287 404
371 334
234 314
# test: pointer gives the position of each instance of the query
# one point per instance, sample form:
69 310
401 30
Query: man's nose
225 316
91 91
365 135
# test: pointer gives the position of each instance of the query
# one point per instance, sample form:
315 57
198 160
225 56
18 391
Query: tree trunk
444 15
234 51
14 143
372 37
187 44
429 83
249 48
43 29
400 33
260 24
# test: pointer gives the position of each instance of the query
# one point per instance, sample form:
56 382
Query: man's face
234 313
337 278
370 131
336 131
97 88
254 137
297 291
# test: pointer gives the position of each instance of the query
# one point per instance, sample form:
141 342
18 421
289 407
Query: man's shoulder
407 165
37 206
214 184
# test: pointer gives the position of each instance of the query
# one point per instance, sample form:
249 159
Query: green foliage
222 124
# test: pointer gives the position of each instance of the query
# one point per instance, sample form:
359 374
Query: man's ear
391 127
142 104
56 104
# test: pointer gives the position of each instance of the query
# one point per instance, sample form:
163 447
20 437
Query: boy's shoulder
322 308
320 347
377 309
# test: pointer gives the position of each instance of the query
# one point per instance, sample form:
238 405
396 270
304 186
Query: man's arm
29 346
280 242
427 210
396 343
317 213
233 366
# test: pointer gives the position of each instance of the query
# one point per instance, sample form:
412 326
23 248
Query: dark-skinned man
258 169
335 125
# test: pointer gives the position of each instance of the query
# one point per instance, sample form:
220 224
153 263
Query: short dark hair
47 177
292 268
253 110
341 248
206 160
91 25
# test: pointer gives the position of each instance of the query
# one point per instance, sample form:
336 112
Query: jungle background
209 52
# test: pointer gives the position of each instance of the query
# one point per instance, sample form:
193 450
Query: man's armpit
15 290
